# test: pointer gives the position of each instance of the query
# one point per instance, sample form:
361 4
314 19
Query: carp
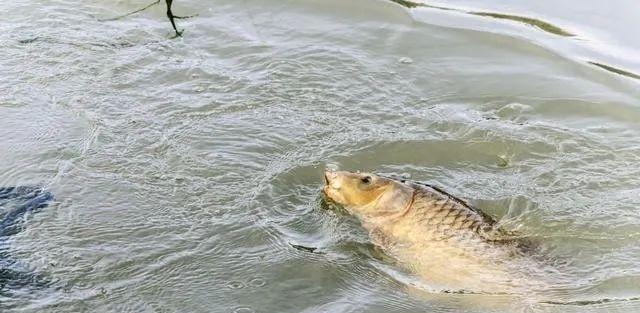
449 244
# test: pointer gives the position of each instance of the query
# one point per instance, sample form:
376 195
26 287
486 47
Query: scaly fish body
442 239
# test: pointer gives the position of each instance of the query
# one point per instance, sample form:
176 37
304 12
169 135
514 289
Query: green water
186 170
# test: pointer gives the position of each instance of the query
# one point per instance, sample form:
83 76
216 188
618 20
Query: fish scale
442 210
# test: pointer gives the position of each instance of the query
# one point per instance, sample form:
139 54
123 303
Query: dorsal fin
488 218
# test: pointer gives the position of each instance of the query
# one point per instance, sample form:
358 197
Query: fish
448 243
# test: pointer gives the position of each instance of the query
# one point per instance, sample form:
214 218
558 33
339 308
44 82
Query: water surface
187 170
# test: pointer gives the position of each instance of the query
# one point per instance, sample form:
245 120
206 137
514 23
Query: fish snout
331 184
329 177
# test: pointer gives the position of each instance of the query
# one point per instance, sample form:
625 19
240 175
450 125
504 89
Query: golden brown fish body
445 241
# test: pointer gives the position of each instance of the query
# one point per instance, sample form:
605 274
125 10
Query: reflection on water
527 20
187 171
616 70
550 28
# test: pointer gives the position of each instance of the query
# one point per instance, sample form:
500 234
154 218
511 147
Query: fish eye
366 179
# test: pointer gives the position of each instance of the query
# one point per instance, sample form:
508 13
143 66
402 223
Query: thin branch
172 17
184 17
131 13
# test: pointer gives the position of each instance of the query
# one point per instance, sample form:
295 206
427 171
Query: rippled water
187 171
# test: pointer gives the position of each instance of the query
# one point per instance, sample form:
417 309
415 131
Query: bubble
405 60
257 282
235 284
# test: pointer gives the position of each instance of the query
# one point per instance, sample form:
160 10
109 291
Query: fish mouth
327 185
328 176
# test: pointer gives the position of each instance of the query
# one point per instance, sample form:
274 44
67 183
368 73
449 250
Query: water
187 170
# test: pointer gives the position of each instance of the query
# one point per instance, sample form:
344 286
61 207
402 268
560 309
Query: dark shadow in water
547 27
15 203
527 20
615 70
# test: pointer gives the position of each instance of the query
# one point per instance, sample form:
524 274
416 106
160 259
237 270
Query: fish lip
327 185
327 181
325 192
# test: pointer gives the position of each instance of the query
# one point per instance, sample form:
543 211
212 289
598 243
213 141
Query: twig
131 13
172 17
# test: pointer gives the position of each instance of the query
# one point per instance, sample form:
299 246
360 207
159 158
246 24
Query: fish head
366 193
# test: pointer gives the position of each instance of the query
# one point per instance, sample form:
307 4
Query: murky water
187 171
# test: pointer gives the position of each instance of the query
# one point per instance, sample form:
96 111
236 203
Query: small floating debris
405 60
503 161
305 249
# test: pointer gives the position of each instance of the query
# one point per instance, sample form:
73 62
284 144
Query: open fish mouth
328 176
